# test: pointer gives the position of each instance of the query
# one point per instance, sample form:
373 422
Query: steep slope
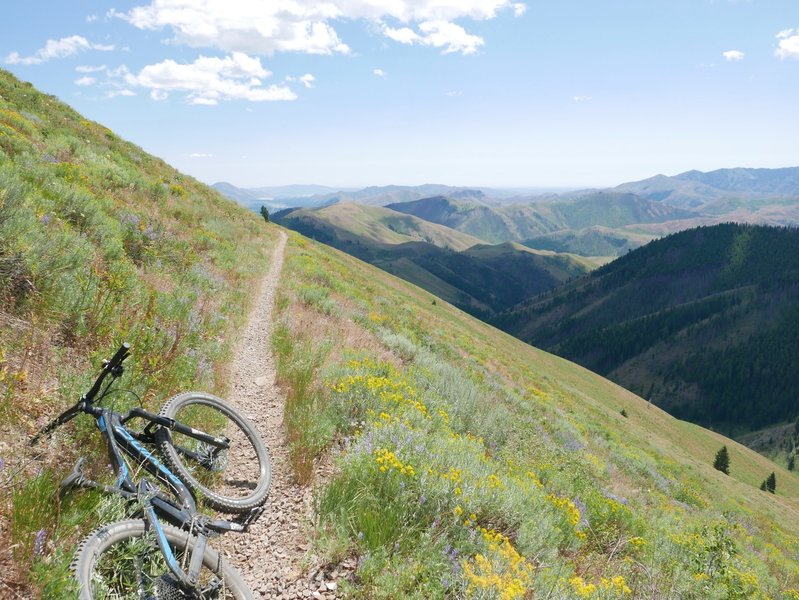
350 222
591 241
99 243
472 461
516 222
695 189
482 280
703 323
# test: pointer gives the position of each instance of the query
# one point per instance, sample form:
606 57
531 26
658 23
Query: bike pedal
75 478
251 518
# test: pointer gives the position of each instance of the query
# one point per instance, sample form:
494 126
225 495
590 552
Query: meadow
473 465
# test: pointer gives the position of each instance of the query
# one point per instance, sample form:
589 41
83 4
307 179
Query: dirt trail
272 555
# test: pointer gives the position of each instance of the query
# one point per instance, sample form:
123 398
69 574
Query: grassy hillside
704 323
516 222
481 280
352 222
470 464
99 243
591 241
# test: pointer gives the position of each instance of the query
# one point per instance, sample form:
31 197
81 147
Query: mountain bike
210 453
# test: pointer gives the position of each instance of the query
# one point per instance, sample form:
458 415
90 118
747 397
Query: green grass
100 243
476 465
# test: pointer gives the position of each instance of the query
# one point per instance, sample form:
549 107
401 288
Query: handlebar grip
122 354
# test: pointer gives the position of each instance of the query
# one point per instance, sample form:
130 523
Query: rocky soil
275 556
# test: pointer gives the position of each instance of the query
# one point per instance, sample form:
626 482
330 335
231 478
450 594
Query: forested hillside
704 323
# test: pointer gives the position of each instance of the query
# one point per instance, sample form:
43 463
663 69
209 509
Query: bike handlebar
113 366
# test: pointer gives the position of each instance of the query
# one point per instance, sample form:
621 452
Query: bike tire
240 481
110 563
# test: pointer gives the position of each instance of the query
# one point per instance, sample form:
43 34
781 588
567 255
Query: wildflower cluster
502 570
613 587
388 461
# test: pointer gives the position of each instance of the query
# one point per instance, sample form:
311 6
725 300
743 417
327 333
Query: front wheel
234 480
122 561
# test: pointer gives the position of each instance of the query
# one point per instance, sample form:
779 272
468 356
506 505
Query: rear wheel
122 561
234 480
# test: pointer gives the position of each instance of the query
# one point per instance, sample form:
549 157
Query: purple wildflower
38 543
45 219
2 464
423 499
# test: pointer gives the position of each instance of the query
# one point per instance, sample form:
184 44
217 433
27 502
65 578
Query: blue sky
462 92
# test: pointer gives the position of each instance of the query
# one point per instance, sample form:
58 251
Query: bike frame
121 441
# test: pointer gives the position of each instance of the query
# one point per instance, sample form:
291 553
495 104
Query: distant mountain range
704 323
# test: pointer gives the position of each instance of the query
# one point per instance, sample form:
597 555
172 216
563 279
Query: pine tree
722 461
791 462
265 213
763 486
771 483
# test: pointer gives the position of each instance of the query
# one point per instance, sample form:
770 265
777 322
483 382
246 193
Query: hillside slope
703 323
99 243
475 464
517 222
480 280
758 190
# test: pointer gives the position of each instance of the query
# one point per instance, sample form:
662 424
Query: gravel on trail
274 555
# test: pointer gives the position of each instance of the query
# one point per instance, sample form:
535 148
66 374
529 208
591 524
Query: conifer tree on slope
722 461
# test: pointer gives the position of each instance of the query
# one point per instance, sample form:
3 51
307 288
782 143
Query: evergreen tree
771 483
791 462
265 213
722 461
763 486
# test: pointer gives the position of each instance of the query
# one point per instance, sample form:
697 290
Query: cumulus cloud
199 155
83 81
438 34
733 55
256 27
379 73
57 49
788 45
209 80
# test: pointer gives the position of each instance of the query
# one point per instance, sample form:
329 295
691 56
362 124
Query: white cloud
209 79
581 98
120 92
379 73
199 155
57 49
85 81
257 27
455 93
733 55
307 80
438 34
91 18
90 69
788 46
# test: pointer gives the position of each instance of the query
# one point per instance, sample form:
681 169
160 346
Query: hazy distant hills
707 191
518 222
477 277
705 323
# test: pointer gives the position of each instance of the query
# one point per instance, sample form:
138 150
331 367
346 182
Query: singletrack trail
273 554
